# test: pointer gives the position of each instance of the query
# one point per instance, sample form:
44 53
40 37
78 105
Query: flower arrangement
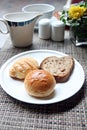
76 15
76 18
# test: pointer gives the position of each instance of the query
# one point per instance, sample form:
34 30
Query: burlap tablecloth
70 114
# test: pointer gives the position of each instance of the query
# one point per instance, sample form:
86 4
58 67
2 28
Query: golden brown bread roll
21 67
39 83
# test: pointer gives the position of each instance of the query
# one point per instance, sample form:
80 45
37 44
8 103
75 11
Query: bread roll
22 66
39 83
61 68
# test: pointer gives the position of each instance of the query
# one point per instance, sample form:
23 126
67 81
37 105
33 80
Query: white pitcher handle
7 29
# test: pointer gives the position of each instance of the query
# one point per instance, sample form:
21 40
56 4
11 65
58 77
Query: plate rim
35 51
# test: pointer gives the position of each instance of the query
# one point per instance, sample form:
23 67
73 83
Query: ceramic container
57 30
20 26
45 9
44 28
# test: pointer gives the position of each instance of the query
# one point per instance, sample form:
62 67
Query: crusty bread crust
61 68
22 66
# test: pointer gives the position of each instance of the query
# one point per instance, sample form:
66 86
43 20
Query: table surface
70 114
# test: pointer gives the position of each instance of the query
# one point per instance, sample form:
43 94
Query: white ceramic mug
20 25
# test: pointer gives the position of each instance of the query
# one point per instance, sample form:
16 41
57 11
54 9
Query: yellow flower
76 12
85 13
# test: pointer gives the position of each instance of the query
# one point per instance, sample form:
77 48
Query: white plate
62 91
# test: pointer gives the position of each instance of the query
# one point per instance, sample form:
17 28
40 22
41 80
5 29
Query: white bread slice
60 67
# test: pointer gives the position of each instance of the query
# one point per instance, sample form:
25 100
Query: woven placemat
70 114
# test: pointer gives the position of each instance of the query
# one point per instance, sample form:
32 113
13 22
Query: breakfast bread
39 83
21 67
61 68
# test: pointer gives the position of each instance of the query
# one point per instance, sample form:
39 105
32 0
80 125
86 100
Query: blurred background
16 5
7 6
